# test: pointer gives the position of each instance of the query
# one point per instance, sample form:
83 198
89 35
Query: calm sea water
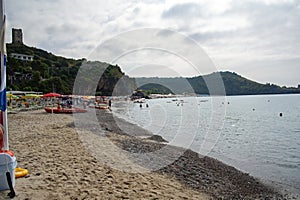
246 132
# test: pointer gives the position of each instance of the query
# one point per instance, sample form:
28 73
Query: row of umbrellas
34 95
48 95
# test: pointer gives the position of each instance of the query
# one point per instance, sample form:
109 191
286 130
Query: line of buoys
227 103
280 114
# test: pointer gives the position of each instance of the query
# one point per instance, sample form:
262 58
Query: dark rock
157 138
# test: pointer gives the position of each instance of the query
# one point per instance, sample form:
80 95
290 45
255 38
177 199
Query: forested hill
234 84
238 85
50 73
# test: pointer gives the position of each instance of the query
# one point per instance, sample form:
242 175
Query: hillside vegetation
222 83
50 73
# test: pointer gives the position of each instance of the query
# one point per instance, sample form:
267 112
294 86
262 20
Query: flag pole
3 111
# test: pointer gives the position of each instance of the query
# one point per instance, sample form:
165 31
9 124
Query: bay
259 135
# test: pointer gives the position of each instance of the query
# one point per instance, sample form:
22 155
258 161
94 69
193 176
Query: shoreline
60 167
258 188
283 186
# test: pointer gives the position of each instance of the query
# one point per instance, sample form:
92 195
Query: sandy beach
61 166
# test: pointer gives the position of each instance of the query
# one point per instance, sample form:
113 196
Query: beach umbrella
88 97
52 94
12 96
31 96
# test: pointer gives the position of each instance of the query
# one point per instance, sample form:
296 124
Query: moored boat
101 107
141 100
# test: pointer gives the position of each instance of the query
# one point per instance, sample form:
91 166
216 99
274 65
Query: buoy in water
280 114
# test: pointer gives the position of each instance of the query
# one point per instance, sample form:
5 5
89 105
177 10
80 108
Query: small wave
229 118
290 166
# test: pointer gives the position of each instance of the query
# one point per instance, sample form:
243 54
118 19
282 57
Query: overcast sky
258 39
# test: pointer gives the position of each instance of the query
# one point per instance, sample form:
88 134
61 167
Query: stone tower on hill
17 36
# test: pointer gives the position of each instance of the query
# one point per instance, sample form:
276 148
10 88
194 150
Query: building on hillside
18 76
22 57
17 36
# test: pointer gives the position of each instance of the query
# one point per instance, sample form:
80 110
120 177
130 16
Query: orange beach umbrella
51 95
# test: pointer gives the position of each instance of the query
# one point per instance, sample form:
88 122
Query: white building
23 57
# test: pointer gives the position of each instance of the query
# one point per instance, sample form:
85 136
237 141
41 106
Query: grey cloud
266 15
274 28
165 33
65 28
136 10
276 25
182 11
208 37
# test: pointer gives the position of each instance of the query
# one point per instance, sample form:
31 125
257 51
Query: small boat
141 100
65 110
102 107
204 100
